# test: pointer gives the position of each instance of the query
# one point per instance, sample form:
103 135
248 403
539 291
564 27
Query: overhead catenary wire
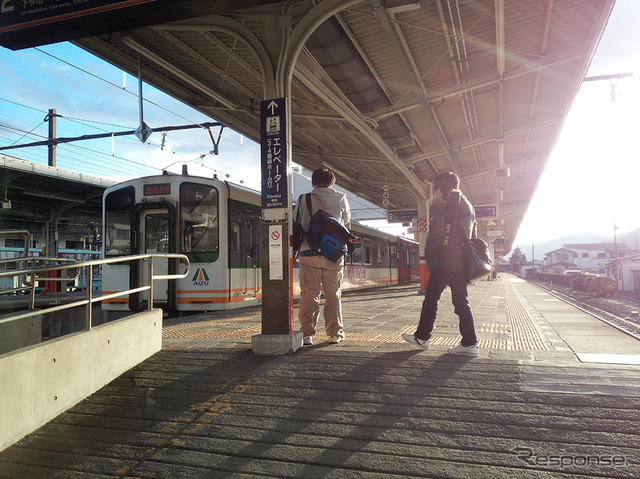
129 138
98 155
124 89
85 121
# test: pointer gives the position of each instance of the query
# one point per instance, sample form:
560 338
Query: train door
393 261
154 225
155 233
244 250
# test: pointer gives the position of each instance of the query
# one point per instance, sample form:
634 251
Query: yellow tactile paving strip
517 331
210 329
525 336
179 332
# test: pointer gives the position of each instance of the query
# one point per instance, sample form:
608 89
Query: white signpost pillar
278 336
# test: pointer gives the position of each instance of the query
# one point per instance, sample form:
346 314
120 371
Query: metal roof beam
314 78
158 59
315 114
524 128
415 81
369 63
457 90
342 156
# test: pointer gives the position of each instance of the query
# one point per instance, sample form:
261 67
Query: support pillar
278 54
51 117
278 336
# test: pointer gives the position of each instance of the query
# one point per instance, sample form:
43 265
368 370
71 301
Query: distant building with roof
589 257
594 256
628 273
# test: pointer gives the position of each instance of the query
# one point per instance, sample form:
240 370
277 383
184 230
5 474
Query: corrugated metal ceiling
392 92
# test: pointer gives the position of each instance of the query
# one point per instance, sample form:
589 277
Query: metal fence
31 274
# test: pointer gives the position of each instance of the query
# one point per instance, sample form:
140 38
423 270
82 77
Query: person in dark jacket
446 266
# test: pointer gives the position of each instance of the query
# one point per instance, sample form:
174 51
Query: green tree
517 260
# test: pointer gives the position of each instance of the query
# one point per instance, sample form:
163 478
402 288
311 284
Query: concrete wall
19 334
39 382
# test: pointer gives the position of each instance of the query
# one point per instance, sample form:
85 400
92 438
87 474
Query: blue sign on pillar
486 212
273 153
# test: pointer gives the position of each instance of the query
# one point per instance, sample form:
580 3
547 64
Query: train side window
383 256
255 239
117 221
356 257
234 237
14 243
247 235
393 256
368 252
244 235
199 218
71 244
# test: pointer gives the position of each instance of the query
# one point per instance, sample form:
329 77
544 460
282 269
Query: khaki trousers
318 272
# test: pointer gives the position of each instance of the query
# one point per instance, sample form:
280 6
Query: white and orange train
217 225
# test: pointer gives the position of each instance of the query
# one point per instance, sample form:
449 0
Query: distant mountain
631 239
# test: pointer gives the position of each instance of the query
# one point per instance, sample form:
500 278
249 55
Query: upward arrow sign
273 105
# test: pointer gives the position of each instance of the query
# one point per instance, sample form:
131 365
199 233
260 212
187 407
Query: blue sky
33 82
590 181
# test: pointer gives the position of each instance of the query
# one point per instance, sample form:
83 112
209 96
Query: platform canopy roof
387 92
40 193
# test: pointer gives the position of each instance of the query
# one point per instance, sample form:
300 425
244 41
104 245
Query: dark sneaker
461 350
307 340
411 339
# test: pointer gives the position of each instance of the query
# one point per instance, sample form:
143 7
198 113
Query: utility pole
51 118
533 256
619 274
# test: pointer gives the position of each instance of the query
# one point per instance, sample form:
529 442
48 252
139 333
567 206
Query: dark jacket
451 258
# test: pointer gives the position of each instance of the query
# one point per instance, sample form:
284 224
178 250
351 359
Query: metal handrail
22 259
39 259
31 284
89 298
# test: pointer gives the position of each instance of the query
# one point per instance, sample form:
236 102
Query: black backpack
327 235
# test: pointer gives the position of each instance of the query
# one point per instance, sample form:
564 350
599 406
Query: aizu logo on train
201 278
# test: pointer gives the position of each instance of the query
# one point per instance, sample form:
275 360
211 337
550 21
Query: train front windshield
197 209
117 225
199 218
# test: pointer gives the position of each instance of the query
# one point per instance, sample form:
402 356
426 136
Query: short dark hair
446 182
323 177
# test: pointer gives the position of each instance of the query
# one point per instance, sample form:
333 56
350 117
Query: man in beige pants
316 271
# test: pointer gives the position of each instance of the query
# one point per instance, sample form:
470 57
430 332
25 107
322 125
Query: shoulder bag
477 259
327 235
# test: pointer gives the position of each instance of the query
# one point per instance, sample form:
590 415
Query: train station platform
554 393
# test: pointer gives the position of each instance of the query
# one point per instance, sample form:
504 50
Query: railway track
621 313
